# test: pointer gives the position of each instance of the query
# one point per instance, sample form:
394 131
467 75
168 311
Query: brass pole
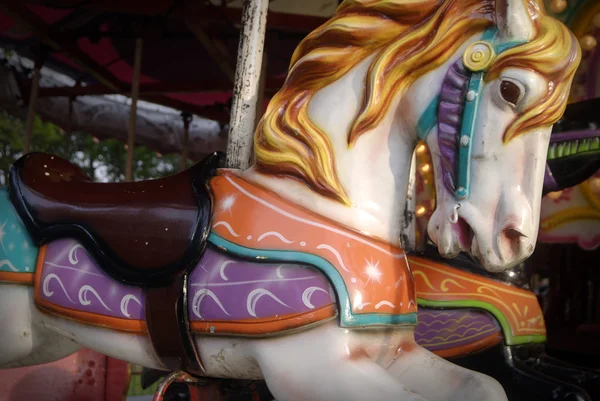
135 91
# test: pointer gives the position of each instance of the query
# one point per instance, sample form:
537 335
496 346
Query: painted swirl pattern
70 278
450 328
224 288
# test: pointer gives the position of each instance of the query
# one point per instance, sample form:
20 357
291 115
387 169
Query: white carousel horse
481 81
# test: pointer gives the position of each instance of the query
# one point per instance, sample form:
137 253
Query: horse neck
374 172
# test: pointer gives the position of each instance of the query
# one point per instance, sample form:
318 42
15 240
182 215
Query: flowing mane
407 39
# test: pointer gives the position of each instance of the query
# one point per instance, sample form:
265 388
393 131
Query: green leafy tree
102 160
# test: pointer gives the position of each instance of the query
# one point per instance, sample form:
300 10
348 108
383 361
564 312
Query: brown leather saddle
142 233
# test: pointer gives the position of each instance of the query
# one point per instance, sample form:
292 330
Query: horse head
481 81
489 129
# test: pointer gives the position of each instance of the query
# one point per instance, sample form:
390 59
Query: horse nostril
514 234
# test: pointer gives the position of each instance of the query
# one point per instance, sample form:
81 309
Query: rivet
464 140
470 96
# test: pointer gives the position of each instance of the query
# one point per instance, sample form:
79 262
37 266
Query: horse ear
514 21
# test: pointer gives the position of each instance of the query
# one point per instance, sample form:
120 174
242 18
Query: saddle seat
143 233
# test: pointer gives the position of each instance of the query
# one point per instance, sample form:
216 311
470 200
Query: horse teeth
584 145
595 145
552 151
560 149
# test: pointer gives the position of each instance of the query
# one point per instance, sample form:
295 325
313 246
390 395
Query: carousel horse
480 328
291 270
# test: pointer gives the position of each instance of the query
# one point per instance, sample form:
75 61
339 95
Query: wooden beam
137 66
247 77
59 41
33 94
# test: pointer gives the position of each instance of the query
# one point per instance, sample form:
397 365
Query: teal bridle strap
429 119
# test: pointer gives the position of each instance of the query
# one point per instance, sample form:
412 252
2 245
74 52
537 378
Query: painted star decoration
372 271
227 203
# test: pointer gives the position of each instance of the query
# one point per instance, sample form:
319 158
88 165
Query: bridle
454 111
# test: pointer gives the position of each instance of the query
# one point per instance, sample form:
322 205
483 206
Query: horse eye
510 92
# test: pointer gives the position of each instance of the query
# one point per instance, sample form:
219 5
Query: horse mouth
464 234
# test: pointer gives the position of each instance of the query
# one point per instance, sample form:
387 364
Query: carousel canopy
188 56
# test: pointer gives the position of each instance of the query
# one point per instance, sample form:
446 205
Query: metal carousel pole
246 92
246 95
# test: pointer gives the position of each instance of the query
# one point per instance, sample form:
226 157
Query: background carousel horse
169 273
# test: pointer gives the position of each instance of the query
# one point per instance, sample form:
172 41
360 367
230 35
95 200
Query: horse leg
16 328
129 347
419 368
327 363
52 348
24 341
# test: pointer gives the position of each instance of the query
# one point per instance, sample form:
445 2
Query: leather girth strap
168 327
167 317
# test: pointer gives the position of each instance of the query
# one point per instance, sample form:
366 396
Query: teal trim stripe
18 253
347 318
489 33
428 119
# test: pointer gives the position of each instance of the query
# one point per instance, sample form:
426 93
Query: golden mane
408 38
